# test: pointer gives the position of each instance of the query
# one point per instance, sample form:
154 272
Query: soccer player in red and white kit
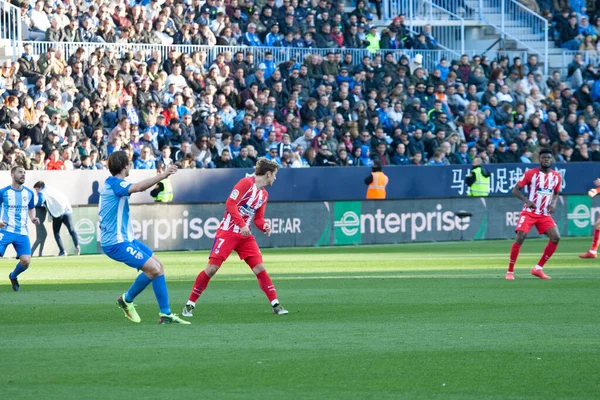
544 186
593 251
247 201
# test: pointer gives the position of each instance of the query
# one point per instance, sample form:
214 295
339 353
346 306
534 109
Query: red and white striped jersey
246 202
541 188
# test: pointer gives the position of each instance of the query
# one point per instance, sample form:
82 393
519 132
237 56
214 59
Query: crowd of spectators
71 112
573 24
272 23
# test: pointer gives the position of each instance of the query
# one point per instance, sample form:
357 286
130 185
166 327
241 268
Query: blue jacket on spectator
496 141
276 159
444 71
233 150
271 67
584 128
339 79
431 39
36 94
588 30
384 120
578 6
140 164
398 159
251 39
310 44
285 43
596 91
271 39
364 156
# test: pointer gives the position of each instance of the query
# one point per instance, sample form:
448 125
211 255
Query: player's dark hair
117 162
546 151
263 166
16 167
376 167
39 185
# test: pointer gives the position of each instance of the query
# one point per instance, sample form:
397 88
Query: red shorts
528 220
226 242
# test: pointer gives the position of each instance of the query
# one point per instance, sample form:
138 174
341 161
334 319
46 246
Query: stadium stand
217 84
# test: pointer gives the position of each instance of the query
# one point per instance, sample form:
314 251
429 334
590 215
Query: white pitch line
414 276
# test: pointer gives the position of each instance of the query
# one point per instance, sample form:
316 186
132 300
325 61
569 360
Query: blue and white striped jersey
15 206
113 212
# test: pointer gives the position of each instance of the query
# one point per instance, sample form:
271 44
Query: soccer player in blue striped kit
118 241
17 206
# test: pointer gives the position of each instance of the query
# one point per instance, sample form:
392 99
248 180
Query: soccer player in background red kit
247 201
544 186
593 251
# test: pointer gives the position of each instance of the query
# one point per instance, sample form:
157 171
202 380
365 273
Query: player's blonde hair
263 166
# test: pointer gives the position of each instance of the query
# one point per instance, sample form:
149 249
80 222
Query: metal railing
280 54
459 8
447 28
519 23
11 27
587 57
448 37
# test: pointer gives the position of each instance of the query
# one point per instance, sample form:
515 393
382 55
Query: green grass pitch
416 321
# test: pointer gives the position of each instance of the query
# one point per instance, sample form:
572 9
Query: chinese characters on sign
502 179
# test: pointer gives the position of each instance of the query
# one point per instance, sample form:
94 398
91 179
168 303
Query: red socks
201 282
514 254
596 240
264 281
548 251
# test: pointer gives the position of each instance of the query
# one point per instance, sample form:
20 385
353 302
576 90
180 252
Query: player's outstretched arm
150 182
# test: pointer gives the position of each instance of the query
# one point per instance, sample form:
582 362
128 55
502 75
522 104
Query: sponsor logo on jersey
544 192
234 195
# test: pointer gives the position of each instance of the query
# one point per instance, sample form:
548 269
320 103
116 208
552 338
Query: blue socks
18 270
159 285
138 286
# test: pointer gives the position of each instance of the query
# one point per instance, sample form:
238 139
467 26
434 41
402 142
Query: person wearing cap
235 146
273 38
344 76
273 154
478 180
377 182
